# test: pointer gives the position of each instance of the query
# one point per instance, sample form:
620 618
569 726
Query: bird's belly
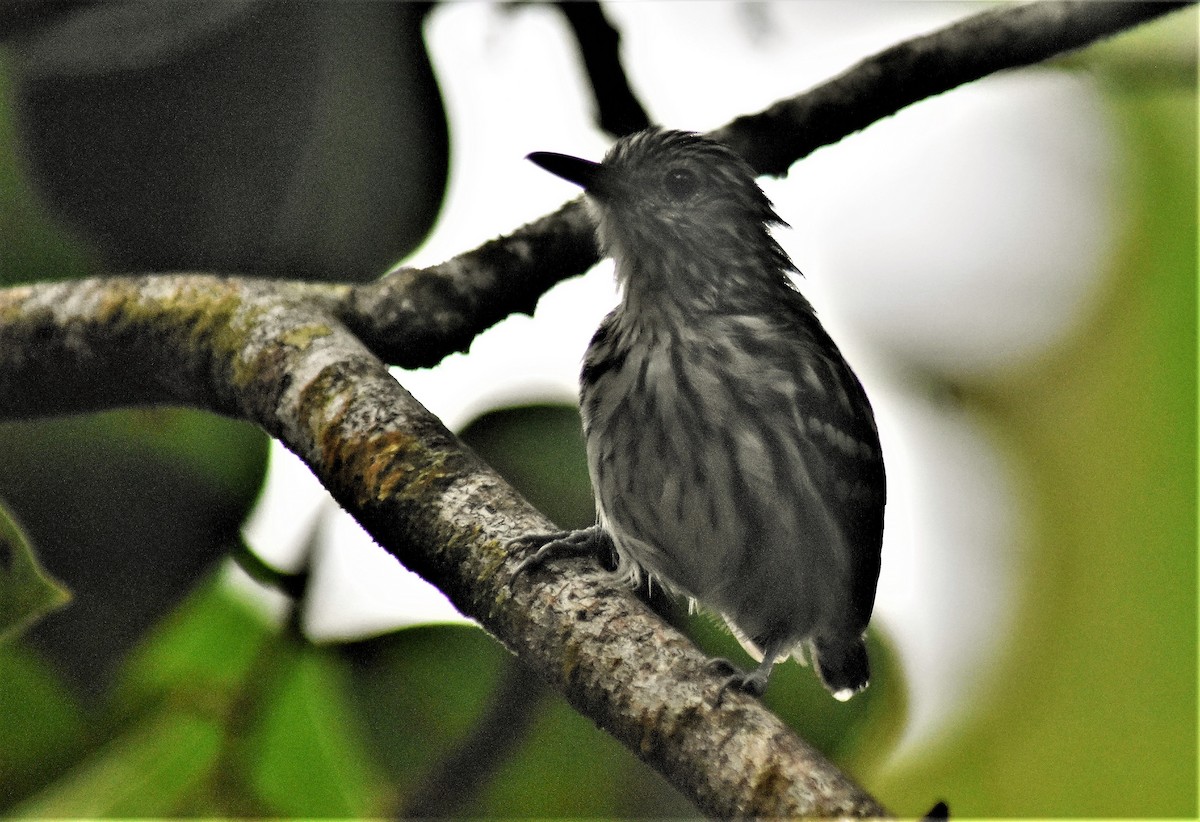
703 493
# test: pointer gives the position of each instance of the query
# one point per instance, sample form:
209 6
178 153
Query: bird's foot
558 545
753 682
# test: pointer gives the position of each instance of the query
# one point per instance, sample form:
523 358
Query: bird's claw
556 545
753 683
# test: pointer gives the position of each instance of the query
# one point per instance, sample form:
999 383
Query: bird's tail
842 666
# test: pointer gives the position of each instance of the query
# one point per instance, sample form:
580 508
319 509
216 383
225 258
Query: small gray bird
732 451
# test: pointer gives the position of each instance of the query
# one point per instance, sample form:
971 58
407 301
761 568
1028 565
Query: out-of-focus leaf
273 707
151 770
303 754
225 455
1093 711
26 591
42 729
294 139
129 509
181 686
32 246
418 692
570 768
206 650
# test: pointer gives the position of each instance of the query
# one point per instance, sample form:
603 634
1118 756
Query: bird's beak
581 172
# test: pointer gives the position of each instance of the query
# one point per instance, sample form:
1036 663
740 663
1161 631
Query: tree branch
252 350
415 317
1003 38
297 359
618 110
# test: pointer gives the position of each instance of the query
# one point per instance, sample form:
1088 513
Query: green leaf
227 456
34 247
42 730
131 509
303 755
27 592
570 768
151 770
206 649
418 692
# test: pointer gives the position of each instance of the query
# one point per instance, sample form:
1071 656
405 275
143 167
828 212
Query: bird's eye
681 183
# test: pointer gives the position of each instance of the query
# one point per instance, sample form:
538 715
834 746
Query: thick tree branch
104 343
252 350
413 318
297 359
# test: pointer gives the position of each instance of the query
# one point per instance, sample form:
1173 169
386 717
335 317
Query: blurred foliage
32 246
298 140
217 711
27 592
1094 710
423 692
43 730
129 509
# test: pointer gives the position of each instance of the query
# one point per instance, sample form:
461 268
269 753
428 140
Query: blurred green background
161 691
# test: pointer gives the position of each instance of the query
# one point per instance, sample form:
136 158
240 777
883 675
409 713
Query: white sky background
958 237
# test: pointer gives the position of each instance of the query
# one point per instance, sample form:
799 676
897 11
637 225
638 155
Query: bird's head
660 196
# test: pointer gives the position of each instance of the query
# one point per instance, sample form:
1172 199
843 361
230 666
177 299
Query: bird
733 452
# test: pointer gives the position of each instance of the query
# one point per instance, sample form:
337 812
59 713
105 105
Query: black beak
581 172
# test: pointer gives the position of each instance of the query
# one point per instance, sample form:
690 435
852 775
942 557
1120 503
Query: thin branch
413 318
618 110
879 86
502 727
